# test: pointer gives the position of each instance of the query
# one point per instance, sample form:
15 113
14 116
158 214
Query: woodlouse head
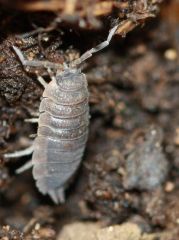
71 79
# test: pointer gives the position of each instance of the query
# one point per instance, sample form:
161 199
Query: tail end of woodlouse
57 195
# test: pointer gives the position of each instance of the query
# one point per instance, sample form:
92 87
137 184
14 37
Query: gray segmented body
62 133
63 124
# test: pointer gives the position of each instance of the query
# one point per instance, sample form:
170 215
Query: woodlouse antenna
36 63
73 64
99 47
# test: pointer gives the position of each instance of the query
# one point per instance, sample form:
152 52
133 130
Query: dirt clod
146 164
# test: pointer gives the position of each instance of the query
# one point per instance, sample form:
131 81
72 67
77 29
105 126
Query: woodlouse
62 124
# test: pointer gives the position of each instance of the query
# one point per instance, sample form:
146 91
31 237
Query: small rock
78 231
127 231
91 231
146 165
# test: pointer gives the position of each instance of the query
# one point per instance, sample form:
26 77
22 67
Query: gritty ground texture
128 184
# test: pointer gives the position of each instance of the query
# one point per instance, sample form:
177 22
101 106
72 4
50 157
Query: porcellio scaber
62 132
62 124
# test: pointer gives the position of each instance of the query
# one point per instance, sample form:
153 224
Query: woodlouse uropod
62 124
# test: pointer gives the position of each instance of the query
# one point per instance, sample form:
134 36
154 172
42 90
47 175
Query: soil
130 169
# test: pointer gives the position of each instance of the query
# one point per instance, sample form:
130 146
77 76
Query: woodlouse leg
33 135
34 114
32 120
36 63
25 167
20 153
99 47
53 78
42 81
